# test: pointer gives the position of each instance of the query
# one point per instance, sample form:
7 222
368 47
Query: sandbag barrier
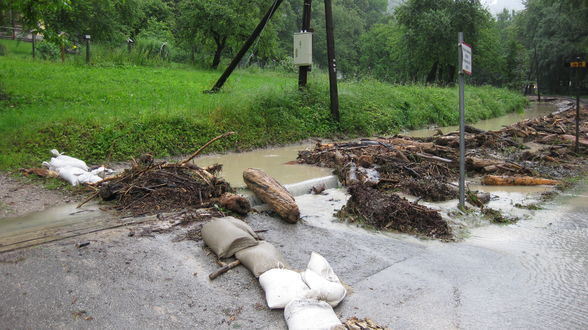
307 297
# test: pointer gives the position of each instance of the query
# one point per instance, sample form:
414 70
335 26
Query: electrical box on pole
303 48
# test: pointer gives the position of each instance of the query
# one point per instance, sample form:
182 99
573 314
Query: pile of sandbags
73 170
308 297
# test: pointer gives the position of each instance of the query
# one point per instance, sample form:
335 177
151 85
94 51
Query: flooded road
527 275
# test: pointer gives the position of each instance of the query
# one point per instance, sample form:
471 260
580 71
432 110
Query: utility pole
461 125
334 94
221 81
306 14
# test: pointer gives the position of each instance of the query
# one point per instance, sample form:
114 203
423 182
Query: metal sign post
465 66
87 38
577 65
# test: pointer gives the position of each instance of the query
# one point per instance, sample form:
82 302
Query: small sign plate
466 58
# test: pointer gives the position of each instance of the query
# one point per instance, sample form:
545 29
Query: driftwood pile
163 187
428 167
149 187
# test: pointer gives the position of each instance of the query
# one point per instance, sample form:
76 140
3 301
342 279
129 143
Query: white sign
466 58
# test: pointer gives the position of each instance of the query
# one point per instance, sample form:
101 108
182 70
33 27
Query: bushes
48 50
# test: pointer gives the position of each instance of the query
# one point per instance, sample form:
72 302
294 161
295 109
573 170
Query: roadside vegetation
109 113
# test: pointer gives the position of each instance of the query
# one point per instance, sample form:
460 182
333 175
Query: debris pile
537 151
354 323
162 187
390 211
150 187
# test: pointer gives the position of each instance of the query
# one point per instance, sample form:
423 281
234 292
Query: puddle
535 110
272 161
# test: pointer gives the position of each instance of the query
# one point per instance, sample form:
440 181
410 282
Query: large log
273 193
493 180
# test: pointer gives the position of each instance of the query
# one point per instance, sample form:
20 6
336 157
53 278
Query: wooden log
235 203
494 180
224 269
273 193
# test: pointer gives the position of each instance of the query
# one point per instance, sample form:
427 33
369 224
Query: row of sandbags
73 170
308 297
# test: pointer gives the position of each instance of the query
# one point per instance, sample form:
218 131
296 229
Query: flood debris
235 203
150 187
537 151
494 180
392 212
273 193
497 216
353 323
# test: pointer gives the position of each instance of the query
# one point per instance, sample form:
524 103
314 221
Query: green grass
103 114
19 49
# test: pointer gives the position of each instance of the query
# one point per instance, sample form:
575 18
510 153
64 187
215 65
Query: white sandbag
320 265
88 177
60 161
261 258
282 286
225 236
305 314
71 174
322 289
102 171
322 280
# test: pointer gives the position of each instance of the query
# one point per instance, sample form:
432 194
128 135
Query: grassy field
103 114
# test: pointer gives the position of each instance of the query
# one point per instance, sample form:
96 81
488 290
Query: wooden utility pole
221 81
331 61
306 14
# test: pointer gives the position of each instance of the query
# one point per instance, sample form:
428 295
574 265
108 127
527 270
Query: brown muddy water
534 110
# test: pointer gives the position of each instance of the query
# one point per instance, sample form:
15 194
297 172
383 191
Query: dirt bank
18 197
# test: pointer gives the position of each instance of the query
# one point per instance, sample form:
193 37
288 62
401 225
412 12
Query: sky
496 6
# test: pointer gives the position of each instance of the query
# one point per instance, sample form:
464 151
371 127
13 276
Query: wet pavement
532 274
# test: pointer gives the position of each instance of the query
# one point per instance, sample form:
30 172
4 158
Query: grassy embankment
100 113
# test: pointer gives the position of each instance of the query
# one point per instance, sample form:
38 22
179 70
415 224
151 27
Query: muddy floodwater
272 161
534 110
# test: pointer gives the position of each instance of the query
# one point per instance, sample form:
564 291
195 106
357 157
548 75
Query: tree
351 19
431 33
218 24
554 32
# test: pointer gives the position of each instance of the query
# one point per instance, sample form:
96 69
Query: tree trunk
493 180
433 73
273 193
220 46
451 73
